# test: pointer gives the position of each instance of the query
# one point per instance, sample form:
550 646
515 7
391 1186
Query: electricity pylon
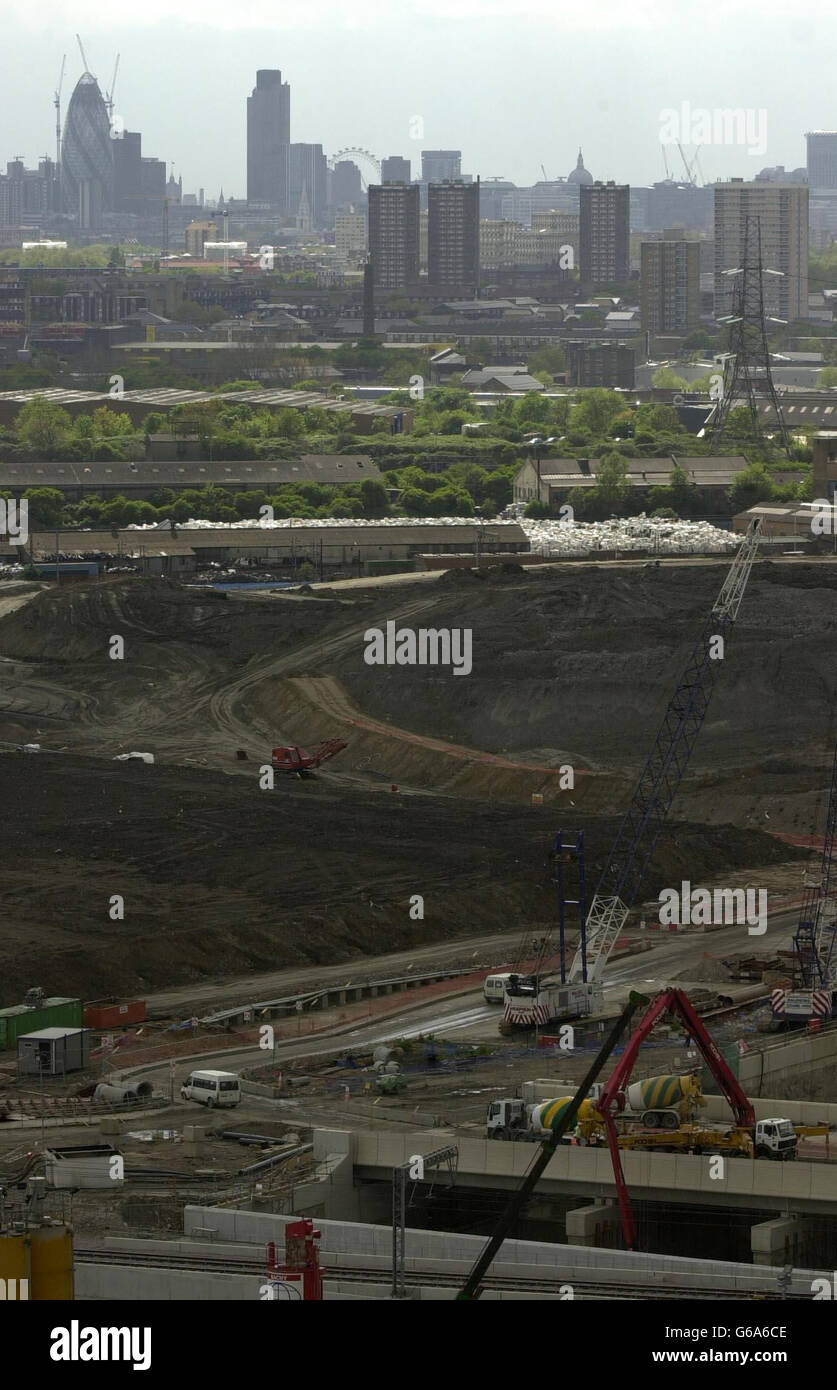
747 376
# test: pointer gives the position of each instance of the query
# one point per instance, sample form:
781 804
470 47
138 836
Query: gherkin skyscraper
87 149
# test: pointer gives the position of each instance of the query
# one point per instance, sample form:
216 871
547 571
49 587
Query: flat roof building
782 213
453 233
604 217
394 234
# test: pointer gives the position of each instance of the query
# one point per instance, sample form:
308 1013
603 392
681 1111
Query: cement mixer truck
660 1102
658 1113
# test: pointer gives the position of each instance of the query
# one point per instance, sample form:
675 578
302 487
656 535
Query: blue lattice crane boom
662 774
817 926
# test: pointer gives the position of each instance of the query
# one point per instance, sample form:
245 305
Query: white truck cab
775 1138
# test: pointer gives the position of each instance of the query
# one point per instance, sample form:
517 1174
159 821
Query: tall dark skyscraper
670 284
453 233
87 152
127 173
604 217
268 139
394 234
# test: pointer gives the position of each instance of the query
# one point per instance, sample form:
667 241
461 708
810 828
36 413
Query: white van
212 1088
494 987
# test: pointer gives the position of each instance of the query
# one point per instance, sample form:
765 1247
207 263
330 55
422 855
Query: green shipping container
53 1013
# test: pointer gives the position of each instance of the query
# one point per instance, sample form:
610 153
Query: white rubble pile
550 537
657 535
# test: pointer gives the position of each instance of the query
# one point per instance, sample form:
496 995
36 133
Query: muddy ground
573 665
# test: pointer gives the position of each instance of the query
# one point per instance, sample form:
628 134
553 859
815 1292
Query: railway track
590 1288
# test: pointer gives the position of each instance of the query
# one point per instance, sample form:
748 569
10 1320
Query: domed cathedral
579 174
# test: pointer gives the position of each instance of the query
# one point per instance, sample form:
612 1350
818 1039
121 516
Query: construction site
389 918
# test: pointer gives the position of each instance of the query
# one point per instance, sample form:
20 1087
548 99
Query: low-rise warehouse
358 547
362 418
551 480
143 480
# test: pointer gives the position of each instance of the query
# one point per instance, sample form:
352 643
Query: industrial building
551 480
139 404
143 480
333 549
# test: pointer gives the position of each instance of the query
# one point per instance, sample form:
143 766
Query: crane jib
664 769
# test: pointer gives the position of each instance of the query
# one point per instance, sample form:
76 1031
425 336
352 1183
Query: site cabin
494 988
211 1088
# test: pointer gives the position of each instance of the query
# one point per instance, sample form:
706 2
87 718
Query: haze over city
512 88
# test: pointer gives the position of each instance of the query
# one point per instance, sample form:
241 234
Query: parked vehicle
494 987
212 1088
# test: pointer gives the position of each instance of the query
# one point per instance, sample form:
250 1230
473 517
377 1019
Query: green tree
750 487
46 505
374 498
683 493
247 504
42 426
595 410
659 419
612 484
497 489
667 379
109 424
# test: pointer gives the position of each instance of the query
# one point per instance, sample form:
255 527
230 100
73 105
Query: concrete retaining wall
787 1065
808 1187
439 1250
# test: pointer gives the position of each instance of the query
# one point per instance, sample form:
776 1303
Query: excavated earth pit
572 666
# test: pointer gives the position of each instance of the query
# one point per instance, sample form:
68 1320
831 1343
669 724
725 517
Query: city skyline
550 109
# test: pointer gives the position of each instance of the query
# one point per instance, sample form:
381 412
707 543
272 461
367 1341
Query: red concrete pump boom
669 1001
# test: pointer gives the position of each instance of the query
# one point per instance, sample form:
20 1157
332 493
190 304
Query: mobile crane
535 1000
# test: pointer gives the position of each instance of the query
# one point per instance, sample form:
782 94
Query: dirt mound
587 658
219 877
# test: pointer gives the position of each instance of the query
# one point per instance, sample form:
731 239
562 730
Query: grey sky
512 83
